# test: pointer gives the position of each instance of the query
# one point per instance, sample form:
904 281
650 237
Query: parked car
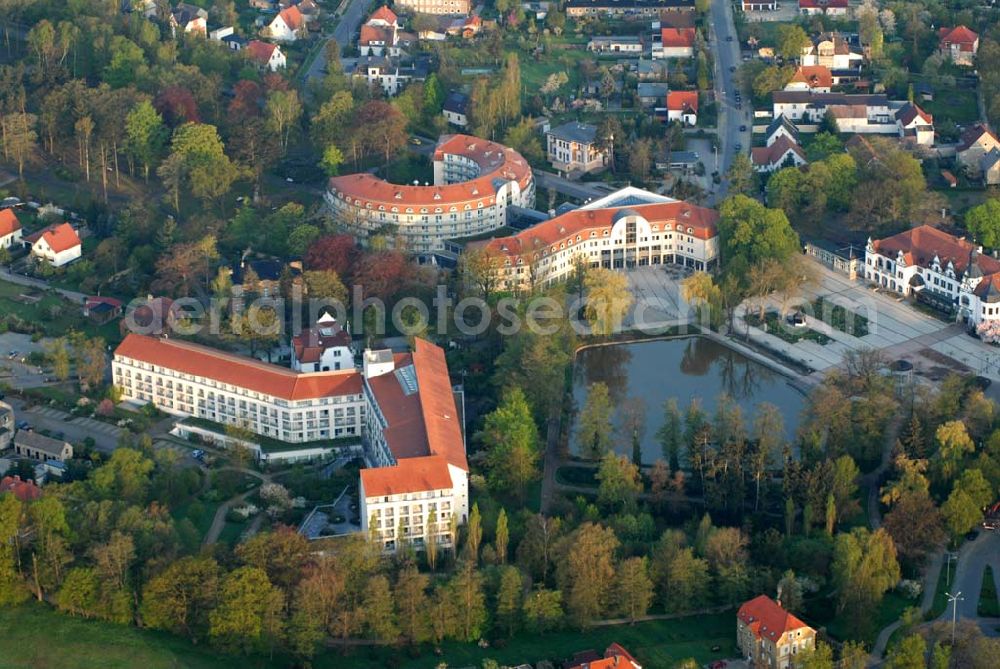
743 128
197 454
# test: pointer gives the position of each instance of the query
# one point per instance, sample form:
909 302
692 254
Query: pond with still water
686 368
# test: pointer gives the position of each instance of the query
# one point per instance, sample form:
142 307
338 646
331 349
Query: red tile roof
385 14
683 101
371 34
238 370
677 37
920 245
565 228
8 222
615 657
767 619
292 17
310 345
911 112
261 51
823 4
423 430
960 35
814 76
25 491
772 155
972 134
410 475
61 237
495 162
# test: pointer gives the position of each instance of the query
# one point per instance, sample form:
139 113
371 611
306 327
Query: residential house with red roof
437 7
674 43
768 636
615 657
190 19
265 55
817 78
628 228
978 153
959 44
915 126
400 410
57 245
949 272
322 348
10 229
782 152
24 491
287 25
384 17
828 7
682 106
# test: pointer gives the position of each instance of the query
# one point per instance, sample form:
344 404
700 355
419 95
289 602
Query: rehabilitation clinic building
629 228
401 407
475 180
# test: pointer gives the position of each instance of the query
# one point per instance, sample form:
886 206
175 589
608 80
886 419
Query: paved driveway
900 331
658 302
973 559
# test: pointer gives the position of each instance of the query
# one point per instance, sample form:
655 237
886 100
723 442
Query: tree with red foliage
245 103
382 128
177 106
336 252
275 82
382 274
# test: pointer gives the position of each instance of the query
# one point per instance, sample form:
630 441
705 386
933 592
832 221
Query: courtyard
934 347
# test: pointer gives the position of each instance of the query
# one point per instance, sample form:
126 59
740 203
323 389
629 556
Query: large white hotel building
475 181
401 407
629 228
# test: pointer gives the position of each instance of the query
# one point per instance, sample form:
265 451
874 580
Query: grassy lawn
839 318
940 602
891 608
44 638
53 314
231 532
957 105
776 327
988 606
199 512
36 636
570 475
659 643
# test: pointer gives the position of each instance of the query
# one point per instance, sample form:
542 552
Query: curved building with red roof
629 228
475 181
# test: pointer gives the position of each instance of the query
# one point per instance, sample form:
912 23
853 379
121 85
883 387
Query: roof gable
677 37
767 619
8 222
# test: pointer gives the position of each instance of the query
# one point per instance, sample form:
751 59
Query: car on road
738 147
739 105
732 68
729 38
743 128
415 141
12 355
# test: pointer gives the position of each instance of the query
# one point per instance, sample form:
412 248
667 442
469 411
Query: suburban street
348 24
968 578
726 47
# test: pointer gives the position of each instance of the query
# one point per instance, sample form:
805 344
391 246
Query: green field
988 606
55 315
33 636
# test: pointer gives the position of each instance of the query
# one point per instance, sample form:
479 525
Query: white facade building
475 180
401 406
10 229
629 228
946 271
57 245
324 348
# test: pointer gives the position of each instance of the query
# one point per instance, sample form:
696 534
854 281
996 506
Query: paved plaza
935 347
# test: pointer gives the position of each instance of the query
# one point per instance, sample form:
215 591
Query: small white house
286 26
323 348
219 34
456 109
57 244
674 43
10 229
266 55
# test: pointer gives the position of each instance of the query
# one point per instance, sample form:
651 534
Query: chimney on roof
378 362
